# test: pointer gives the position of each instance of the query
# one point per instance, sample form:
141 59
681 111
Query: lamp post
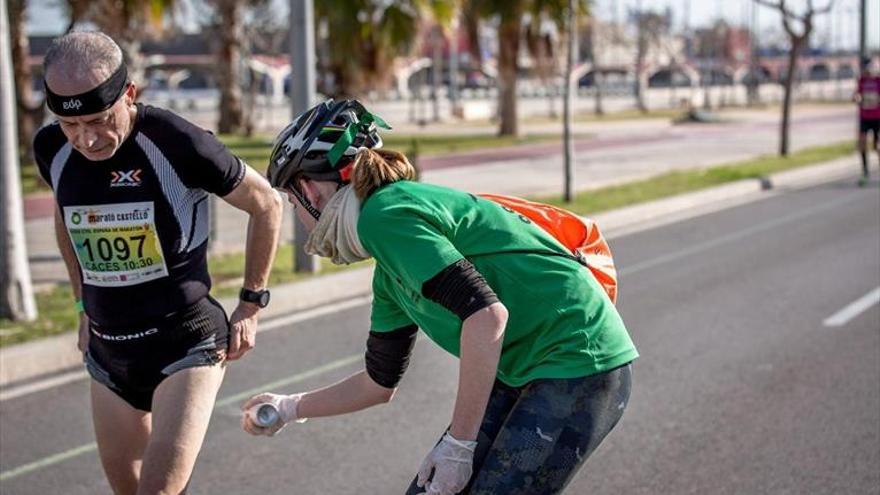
302 89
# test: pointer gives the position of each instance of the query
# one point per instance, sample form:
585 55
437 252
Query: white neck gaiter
335 236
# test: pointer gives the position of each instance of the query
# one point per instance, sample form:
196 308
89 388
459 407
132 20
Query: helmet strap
304 201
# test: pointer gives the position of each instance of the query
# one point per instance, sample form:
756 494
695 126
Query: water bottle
264 415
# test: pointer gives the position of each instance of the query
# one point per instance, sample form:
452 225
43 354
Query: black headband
96 100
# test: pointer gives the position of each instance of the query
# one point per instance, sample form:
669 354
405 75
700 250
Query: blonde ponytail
373 169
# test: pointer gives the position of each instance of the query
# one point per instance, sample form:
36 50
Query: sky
839 29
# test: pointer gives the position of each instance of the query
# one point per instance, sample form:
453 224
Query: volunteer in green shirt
544 355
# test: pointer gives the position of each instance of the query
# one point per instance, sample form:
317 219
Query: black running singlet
139 221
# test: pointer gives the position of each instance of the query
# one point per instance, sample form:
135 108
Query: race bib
117 245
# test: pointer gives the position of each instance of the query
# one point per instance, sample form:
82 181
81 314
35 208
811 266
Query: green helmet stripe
347 136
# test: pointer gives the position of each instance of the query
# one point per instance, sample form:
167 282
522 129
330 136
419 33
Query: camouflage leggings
534 438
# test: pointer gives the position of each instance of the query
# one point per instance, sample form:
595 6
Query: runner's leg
876 138
182 406
122 433
553 429
863 147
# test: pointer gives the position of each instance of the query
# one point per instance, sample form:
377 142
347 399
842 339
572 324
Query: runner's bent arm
462 290
481 336
253 195
264 205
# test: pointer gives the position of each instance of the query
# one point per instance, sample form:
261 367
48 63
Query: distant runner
544 371
867 97
131 183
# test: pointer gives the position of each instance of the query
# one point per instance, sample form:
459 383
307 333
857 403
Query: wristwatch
258 297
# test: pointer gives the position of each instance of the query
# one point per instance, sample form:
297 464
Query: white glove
453 463
286 406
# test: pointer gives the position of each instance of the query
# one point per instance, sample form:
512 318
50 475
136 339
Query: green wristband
80 307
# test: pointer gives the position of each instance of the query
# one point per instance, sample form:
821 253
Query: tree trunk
471 21
786 98
436 72
595 50
16 293
639 91
508 52
21 68
77 10
229 66
30 114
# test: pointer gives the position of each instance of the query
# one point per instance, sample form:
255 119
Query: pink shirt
869 89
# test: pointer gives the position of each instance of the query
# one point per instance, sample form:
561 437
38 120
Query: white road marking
853 309
44 384
48 461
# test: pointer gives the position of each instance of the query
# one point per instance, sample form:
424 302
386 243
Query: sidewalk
25 363
617 152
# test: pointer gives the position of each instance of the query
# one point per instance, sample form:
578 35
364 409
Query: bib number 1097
117 245
119 248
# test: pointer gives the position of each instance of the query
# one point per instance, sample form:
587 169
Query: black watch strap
258 297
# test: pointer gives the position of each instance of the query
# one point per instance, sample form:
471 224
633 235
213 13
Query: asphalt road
741 387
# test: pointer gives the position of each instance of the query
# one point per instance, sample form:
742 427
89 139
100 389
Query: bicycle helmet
321 142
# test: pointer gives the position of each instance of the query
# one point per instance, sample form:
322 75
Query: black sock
864 163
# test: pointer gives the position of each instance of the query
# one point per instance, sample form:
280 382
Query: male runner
131 183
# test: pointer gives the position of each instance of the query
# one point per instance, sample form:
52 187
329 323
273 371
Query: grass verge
57 314
31 181
673 183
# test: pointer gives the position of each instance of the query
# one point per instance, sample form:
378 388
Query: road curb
676 208
30 361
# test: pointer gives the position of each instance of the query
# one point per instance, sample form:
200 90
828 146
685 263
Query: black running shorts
133 361
869 125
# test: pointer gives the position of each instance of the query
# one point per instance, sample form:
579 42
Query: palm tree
363 37
512 18
16 293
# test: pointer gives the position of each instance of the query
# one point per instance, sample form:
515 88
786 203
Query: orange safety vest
580 235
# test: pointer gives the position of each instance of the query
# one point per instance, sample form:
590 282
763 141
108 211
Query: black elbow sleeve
460 288
387 355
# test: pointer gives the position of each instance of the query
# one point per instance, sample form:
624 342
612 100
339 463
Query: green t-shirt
561 323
